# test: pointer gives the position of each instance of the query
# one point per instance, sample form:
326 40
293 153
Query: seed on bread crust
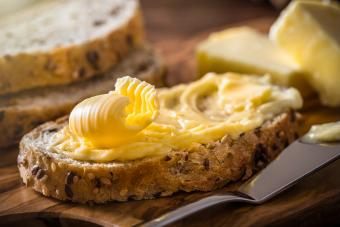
167 158
80 73
51 130
123 192
69 178
257 131
206 164
286 143
277 135
292 116
91 176
68 191
75 179
97 183
280 134
35 170
243 173
105 181
95 190
129 40
157 194
274 146
44 179
53 167
143 67
45 191
93 58
260 153
40 173
50 65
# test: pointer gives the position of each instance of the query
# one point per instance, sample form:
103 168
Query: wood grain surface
175 29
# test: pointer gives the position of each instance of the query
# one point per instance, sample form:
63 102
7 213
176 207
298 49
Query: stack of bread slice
56 53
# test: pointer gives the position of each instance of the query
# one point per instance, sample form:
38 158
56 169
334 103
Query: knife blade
294 163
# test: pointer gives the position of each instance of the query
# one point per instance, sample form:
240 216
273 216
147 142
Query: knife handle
201 204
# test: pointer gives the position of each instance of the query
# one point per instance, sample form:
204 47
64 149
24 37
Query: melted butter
329 132
188 116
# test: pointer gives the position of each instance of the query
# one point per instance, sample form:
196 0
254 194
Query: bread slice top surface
61 23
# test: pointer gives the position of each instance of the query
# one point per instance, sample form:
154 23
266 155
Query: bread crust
21 112
209 167
64 65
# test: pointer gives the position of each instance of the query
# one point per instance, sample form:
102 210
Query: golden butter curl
111 119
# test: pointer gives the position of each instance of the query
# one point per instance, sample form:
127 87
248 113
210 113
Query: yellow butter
245 50
189 115
329 132
310 32
112 119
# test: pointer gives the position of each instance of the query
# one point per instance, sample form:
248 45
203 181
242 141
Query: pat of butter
109 127
310 32
329 132
245 50
113 119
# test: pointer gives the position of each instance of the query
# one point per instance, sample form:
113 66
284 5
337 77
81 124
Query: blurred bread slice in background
55 53
61 41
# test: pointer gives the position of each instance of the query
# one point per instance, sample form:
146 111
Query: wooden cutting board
314 201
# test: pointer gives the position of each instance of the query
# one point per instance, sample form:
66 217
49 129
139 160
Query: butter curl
112 119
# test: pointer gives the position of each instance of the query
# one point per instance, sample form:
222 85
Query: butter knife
298 160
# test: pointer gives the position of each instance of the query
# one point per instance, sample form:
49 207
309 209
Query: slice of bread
209 167
22 111
61 41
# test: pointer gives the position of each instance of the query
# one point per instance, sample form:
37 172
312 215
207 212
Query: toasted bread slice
22 111
209 167
59 42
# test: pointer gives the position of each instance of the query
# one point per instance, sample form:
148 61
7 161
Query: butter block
245 50
310 32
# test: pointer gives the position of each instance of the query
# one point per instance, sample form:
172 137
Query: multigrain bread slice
61 41
209 167
22 111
